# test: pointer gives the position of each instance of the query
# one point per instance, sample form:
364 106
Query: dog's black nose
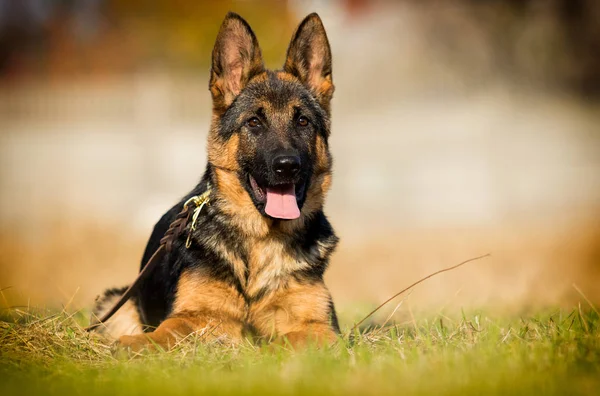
286 165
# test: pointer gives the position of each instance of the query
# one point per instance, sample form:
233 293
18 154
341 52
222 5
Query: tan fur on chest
291 309
270 265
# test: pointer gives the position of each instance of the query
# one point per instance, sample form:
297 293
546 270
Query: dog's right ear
236 58
309 58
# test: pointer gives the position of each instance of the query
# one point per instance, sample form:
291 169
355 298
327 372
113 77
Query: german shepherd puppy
257 256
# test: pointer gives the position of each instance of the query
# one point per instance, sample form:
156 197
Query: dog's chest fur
267 264
270 265
264 272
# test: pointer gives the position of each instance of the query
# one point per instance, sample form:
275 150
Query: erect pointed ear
309 58
236 58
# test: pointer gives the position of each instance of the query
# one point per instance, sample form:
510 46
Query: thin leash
191 210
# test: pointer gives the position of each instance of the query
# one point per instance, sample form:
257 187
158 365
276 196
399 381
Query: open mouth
280 201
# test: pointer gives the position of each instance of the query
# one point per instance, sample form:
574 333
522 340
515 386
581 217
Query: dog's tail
126 321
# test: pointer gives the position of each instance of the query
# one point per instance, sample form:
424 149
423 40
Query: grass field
552 352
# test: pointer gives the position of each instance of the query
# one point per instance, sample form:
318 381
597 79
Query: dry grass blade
586 299
415 284
383 326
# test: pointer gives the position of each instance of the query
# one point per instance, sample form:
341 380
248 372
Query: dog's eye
253 122
302 121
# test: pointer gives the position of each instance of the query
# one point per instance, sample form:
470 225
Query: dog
253 265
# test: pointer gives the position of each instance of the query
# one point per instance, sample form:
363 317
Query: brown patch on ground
531 265
70 261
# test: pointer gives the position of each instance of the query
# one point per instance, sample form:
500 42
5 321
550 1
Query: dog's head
268 141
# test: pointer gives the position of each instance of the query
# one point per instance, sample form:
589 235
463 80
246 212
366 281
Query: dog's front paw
132 343
303 339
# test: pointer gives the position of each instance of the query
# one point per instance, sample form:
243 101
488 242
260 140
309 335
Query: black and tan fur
245 272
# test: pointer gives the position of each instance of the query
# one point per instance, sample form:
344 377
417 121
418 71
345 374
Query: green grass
554 352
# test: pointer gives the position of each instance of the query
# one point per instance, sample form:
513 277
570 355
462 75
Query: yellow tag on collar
199 201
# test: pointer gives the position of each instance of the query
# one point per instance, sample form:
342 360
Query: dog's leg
174 329
301 313
211 308
126 321
316 334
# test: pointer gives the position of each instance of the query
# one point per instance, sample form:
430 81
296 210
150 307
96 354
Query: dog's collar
198 201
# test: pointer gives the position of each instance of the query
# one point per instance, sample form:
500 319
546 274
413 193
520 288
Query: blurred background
459 128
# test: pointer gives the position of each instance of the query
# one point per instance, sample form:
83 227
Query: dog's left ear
236 58
309 58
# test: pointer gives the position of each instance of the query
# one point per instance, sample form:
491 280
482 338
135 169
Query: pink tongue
281 202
